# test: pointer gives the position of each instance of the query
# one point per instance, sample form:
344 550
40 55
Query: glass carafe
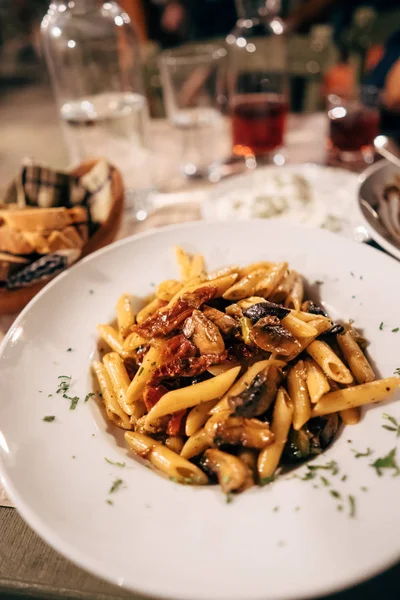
93 58
257 80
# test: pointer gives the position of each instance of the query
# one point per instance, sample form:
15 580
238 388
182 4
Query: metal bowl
373 180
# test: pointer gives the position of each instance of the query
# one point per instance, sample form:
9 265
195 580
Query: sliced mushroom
234 310
232 473
204 333
313 308
274 338
258 396
224 322
265 309
250 433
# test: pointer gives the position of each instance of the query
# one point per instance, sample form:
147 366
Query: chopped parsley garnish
381 326
116 464
140 371
396 329
386 462
115 486
110 502
63 385
339 507
352 297
49 418
363 488
267 480
153 364
352 502
307 476
331 466
318 282
352 274
74 401
69 349
74 456
397 371
49 395
368 452
89 395
276 508
344 478
335 494
324 480
395 426
229 498
297 508
91 291
182 480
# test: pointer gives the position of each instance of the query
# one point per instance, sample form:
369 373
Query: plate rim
82 559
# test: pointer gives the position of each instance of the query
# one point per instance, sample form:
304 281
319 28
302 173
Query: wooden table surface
29 568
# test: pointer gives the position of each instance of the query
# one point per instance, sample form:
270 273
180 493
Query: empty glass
194 97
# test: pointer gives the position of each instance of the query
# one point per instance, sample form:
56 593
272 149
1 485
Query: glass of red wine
354 123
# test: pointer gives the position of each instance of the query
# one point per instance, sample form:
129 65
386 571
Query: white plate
308 194
175 541
375 178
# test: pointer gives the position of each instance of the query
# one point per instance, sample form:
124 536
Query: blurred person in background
202 18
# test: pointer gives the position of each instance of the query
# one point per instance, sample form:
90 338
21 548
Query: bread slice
14 241
42 219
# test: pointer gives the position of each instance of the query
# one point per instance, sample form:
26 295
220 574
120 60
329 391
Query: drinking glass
193 87
354 123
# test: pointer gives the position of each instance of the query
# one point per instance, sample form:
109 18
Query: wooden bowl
13 301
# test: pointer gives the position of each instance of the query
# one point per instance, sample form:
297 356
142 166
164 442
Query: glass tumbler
354 123
193 81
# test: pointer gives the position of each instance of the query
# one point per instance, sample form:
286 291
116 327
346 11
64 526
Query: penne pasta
110 336
317 383
266 286
295 297
198 416
212 370
167 461
136 387
298 393
110 400
329 362
358 395
282 417
187 397
125 315
355 358
351 416
282 290
120 381
196 444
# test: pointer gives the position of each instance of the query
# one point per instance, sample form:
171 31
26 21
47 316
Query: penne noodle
167 461
299 328
329 362
221 285
355 358
282 290
148 310
307 317
244 271
196 444
358 395
198 416
321 326
244 383
184 261
110 336
197 266
296 294
167 289
267 285
211 389
270 456
120 381
133 342
233 270
111 403
222 368
175 443
298 393
246 286
125 315
351 416
317 383
136 387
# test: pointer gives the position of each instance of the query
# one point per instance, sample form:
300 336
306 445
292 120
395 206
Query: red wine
258 123
355 130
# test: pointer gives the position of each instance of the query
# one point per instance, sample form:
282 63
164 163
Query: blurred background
328 40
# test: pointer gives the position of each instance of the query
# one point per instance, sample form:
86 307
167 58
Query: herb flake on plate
116 485
386 462
115 464
49 418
